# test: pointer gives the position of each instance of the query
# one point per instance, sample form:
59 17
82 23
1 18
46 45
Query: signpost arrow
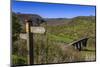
39 30
23 36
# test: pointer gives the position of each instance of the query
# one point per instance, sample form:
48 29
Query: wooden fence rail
79 44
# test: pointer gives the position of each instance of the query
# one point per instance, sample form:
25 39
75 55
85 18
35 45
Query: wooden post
30 56
80 47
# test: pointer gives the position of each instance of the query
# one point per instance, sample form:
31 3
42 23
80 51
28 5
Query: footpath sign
30 31
39 30
23 36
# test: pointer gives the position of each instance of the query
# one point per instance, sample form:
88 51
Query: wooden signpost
23 36
39 30
30 43
30 31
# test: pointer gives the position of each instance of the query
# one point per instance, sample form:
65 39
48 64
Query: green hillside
52 47
76 28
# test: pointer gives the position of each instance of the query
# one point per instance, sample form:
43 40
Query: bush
18 60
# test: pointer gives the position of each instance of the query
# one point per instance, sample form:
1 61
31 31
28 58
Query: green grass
60 38
76 30
47 50
18 60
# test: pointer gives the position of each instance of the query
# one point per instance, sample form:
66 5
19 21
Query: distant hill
57 21
36 19
82 19
87 18
67 21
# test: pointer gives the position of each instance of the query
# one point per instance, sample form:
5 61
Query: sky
47 10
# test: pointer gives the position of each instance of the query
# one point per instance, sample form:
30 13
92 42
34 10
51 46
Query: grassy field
77 28
52 47
60 35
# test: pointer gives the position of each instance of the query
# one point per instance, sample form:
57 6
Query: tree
16 29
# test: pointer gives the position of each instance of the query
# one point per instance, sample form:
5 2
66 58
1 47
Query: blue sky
52 10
